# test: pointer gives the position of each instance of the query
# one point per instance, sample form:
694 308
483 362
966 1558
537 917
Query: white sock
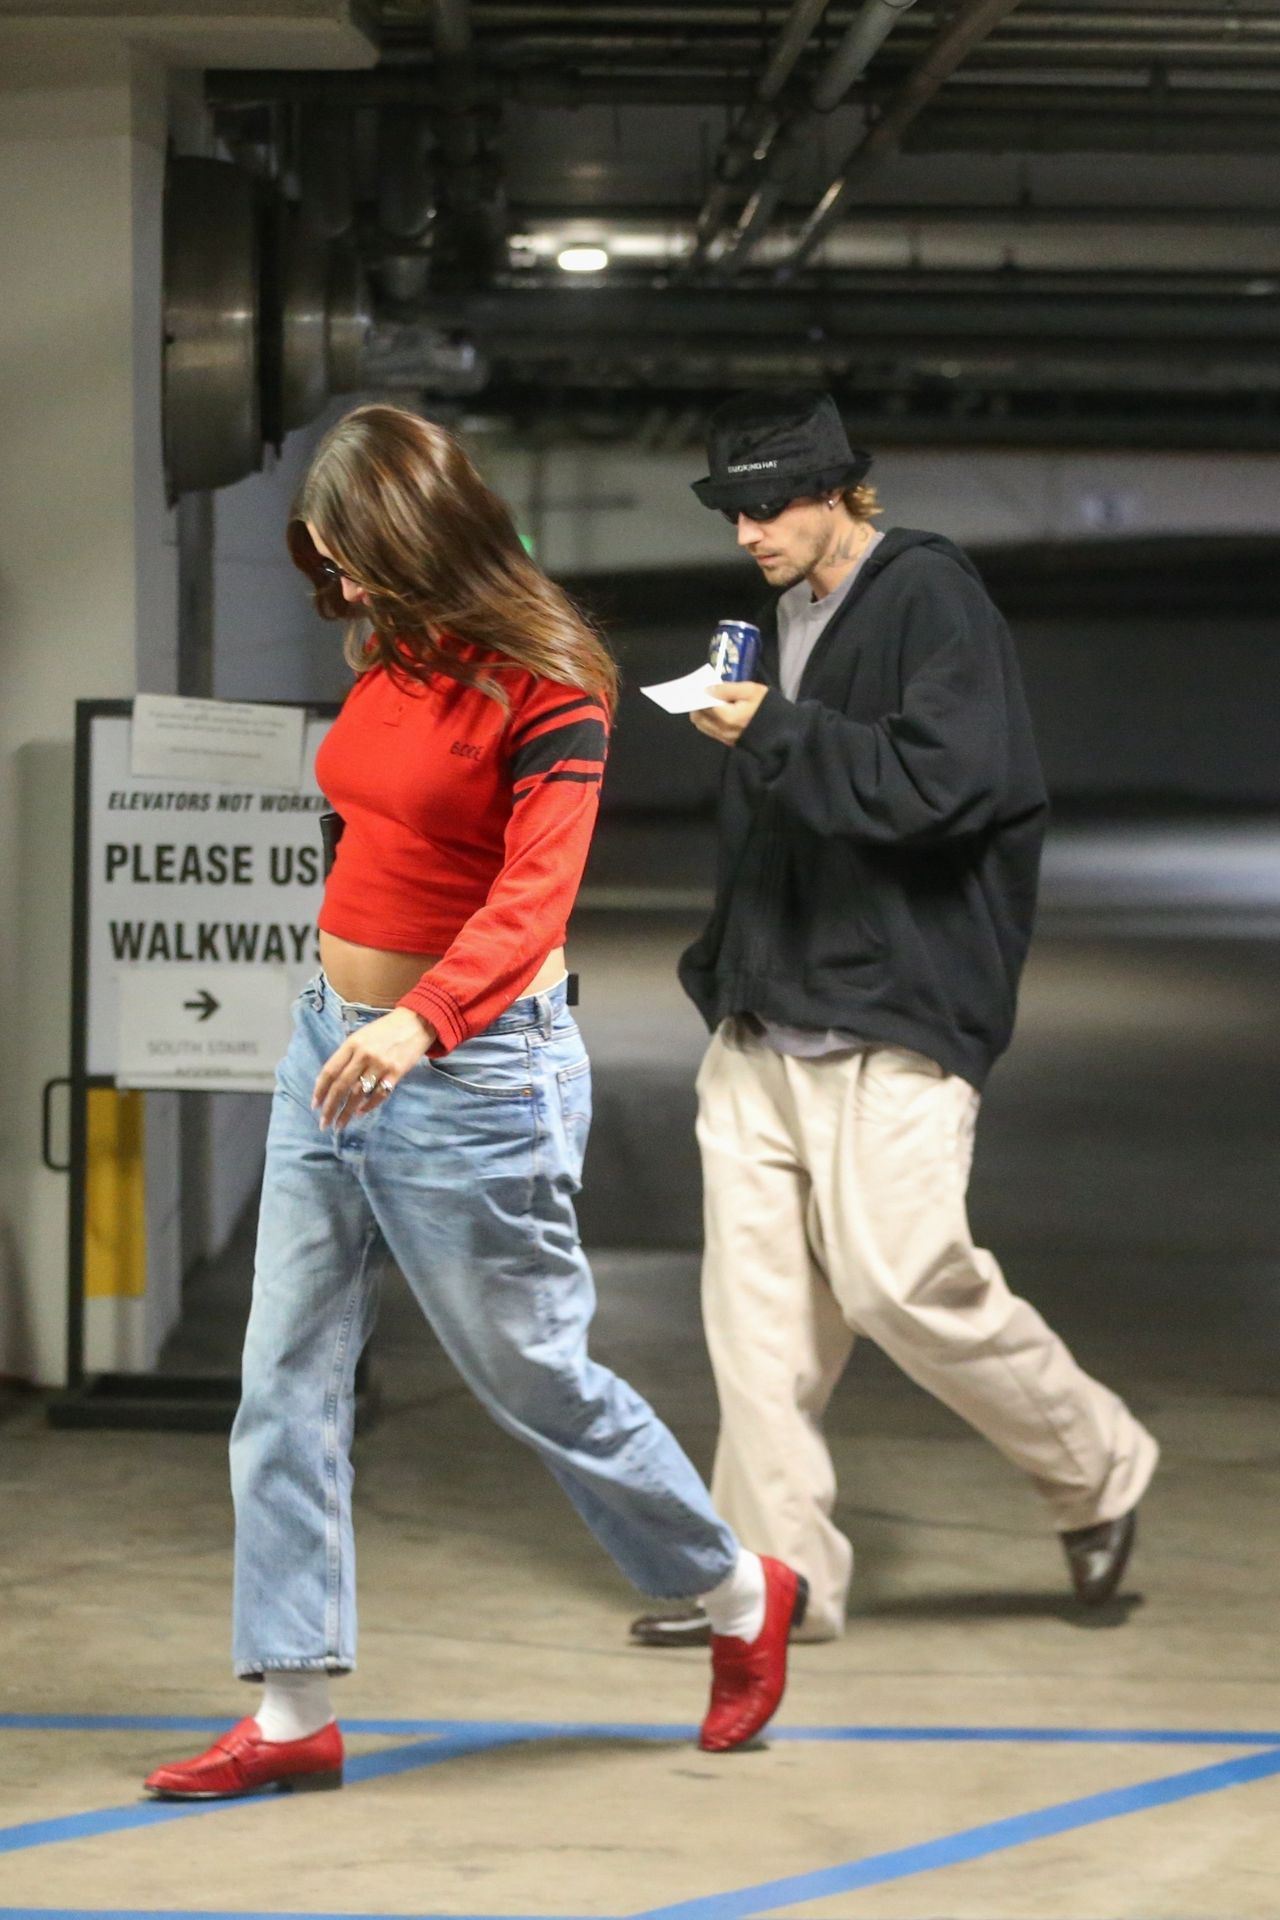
293 1705
736 1606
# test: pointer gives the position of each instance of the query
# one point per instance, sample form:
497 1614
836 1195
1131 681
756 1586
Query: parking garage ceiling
997 221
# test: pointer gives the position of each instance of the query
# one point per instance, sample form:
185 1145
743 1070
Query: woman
431 1112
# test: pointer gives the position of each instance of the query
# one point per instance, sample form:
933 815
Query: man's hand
379 1055
740 702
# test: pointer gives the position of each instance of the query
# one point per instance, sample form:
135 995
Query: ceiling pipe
693 83
1226 24
757 123
470 177
679 13
863 38
406 188
1167 51
451 28
742 46
942 239
1091 119
326 168
970 27
985 309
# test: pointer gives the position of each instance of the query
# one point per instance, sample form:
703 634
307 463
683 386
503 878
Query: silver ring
386 1086
368 1083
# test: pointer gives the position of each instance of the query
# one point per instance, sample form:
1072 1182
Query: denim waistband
535 1010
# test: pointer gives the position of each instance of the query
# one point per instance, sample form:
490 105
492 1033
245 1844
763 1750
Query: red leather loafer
243 1762
748 1676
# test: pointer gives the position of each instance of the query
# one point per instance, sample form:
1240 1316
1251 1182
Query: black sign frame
190 1402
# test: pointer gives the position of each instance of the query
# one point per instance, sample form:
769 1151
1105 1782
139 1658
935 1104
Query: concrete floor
517 1757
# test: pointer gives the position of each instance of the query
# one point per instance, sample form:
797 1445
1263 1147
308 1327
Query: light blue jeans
463 1179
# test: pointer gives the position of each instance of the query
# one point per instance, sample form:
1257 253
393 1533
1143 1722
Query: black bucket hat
766 447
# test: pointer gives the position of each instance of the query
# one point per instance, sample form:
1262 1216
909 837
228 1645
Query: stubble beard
788 573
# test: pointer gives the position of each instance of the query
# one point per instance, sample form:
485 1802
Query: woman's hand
378 1055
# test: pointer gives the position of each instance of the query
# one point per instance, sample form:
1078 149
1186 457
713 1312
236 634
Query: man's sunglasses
762 510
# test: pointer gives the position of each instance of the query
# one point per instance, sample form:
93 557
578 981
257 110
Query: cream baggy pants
835 1206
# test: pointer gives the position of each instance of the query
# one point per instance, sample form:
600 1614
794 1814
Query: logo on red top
465 750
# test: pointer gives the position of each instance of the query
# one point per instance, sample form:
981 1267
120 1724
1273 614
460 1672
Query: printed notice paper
688 694
232 742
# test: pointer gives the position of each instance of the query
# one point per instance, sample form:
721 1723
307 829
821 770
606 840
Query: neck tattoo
850 547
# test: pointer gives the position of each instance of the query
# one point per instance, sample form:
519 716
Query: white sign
686 695
230 742
1111 509
216 879
210 1027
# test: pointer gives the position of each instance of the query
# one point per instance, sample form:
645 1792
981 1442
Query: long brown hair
406 516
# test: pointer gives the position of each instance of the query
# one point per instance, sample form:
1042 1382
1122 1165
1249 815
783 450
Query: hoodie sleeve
932 769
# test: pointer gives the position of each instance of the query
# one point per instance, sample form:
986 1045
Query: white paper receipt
688 694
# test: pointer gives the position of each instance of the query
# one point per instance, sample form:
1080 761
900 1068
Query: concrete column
87 592
88 547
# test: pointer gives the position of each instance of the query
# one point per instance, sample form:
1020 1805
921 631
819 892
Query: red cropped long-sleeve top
466 829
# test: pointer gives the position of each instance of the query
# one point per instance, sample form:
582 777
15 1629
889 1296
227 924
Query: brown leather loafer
1098 1556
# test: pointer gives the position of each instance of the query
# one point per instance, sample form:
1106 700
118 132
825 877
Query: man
881 818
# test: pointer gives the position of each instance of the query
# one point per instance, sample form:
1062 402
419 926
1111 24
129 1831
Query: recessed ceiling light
582 259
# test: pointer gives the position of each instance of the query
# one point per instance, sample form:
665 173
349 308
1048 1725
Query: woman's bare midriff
379 979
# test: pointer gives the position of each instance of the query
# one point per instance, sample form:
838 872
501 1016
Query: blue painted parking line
153 1813
930 1856
658 1731
974 1843
444 1740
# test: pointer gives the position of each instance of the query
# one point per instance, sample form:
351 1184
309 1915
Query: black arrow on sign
204 1005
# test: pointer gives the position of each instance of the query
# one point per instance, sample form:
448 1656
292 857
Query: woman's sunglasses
763 510
328 573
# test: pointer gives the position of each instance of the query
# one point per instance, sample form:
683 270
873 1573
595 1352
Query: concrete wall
591 509
1152 668
268 642
1170 708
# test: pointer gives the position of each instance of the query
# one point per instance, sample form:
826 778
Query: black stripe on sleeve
553 713
576 740
580 779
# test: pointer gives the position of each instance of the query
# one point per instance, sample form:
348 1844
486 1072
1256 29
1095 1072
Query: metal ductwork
757 123
409 354
406 178
406 189
264 319
966 29
326 168
324 321
472 192
213 325
794 135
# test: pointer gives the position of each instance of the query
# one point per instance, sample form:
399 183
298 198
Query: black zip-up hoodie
880 836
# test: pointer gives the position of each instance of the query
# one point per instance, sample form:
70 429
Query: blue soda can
735 650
